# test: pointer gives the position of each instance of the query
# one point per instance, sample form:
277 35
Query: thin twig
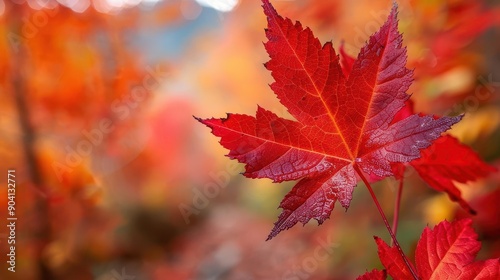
396 209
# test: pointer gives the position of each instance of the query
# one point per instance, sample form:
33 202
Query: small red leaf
392 261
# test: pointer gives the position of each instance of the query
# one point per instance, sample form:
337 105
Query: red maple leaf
446 252
342 123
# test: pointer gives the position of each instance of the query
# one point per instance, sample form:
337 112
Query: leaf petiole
396 209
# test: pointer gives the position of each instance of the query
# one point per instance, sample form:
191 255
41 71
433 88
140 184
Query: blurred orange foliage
96 105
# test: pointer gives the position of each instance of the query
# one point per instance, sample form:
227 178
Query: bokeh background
116 180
